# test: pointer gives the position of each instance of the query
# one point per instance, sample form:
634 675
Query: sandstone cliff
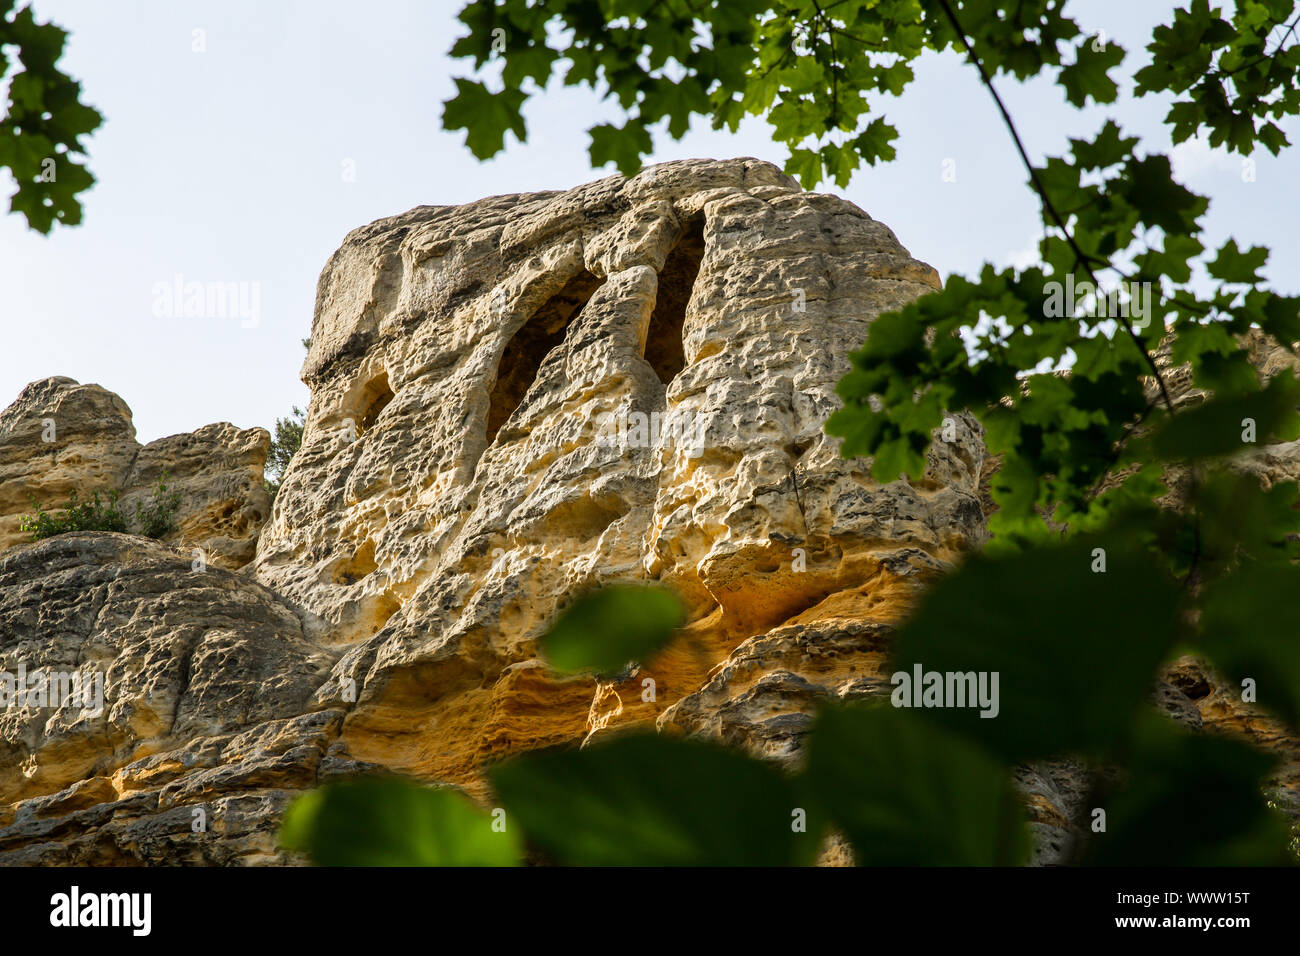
512 401
60 436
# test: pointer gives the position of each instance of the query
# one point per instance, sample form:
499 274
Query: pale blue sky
227 166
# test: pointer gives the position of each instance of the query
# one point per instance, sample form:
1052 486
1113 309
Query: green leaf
876 142
1273 138
531 62
623 147
1042 621
1222 426
901 455
1087 77
485 116
1241 525
1148 185
1250 628
389 822
606 630
676 101
1172 259
645 800
805 165
1233 265
908 793
1190 800
1282 318
1104 150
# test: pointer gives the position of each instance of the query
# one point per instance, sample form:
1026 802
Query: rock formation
190 661
512 401
60 437
465 467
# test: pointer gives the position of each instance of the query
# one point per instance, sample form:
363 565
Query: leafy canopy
44 120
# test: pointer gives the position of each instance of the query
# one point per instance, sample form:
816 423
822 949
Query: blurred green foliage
388 822
612 627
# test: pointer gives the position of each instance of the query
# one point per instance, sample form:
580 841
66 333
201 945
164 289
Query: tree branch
1080 258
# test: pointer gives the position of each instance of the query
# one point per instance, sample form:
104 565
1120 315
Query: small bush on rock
157 519
154 519
77 515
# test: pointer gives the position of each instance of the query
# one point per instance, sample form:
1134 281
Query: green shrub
157 519
285 442
76 515
154 519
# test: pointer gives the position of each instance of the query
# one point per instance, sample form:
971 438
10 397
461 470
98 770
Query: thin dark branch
835 71
878 45
1080 258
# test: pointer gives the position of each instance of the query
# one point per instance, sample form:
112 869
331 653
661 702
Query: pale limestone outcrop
453 488
218 472
474 454
59 437
204 682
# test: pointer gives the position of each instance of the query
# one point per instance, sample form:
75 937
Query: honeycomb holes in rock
359 565
526 349
665 348
374 399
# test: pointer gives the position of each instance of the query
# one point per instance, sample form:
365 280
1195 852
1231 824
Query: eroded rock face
512 401
472 458
196 688
60 437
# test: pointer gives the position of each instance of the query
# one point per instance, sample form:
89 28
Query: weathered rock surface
454 487
206 678
512 401
60 437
